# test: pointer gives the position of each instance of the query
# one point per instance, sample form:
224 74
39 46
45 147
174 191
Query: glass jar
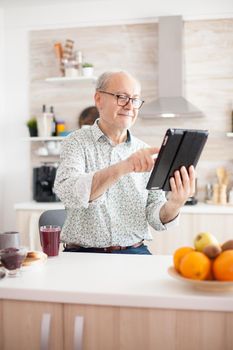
60 127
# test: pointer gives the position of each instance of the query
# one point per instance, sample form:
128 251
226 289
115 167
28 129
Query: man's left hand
182 187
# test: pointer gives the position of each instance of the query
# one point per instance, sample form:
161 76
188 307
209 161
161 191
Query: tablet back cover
180 147
167 153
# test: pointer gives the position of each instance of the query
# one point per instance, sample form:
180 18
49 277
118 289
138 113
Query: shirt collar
98 133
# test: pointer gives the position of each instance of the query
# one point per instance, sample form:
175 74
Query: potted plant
32 126
87 69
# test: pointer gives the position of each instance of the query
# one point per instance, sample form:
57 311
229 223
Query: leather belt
102 250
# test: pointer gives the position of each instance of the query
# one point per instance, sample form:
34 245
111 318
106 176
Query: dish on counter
34 258
2 273
208 286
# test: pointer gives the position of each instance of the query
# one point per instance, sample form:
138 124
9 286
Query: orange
179 254
223 266
195 265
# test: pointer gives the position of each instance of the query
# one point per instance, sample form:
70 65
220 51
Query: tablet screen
180 147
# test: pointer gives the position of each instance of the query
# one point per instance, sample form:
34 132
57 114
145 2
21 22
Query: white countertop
111 279
200 208
38 205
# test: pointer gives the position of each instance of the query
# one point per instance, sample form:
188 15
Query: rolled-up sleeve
72 184
156 199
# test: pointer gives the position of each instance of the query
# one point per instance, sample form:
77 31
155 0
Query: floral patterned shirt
122 214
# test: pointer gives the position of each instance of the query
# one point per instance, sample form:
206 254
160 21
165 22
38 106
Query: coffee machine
43 182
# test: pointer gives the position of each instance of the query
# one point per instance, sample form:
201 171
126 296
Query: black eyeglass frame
124 96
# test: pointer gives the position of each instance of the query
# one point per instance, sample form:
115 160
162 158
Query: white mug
9 240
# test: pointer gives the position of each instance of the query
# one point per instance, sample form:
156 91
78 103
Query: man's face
111 114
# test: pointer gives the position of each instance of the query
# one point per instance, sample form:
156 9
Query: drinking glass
12 259
50 239
9 239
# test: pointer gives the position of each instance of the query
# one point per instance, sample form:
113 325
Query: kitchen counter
217 219
38 206
108 279
200 208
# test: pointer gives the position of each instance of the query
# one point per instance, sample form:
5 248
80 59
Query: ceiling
158 7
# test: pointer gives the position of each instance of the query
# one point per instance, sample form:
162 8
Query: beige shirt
122 214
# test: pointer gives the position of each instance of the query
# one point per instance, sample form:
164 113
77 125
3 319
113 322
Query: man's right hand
142 160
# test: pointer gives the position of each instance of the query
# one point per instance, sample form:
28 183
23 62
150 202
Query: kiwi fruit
227 245
212 251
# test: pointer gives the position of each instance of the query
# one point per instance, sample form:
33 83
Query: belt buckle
111 249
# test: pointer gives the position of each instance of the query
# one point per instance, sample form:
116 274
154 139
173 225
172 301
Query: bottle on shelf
44 123
232 118
79 62
230 196
54 122
58 54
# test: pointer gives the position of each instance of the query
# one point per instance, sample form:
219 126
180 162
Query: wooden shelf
38 138
229 134
69 79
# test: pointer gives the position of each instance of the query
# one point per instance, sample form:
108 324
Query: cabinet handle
78 333
45 331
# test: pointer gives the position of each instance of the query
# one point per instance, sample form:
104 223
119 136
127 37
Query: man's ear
97 98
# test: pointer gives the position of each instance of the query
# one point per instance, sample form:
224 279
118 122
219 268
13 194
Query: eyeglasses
123 100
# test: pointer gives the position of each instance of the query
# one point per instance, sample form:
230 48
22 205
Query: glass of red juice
50 239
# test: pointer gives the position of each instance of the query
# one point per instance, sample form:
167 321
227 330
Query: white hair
105 77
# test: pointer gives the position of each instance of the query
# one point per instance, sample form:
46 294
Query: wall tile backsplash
208 67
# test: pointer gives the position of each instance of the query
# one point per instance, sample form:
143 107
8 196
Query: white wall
2 167
14 180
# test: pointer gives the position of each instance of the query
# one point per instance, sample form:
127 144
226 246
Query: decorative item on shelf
53 148
45 123
88 69
220 188
59 53
67 53
232 118
60 127
79 60
230 196
208 192
32 127
71 68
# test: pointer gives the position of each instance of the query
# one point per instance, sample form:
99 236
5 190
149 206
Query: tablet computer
179 147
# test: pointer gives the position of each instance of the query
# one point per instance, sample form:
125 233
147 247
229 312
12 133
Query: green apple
203 239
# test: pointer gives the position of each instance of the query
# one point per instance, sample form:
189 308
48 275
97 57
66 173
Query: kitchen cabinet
27 218
125 328
219 224
1 328
27 325
100 327
105 327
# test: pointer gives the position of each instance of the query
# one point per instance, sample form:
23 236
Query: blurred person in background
88 116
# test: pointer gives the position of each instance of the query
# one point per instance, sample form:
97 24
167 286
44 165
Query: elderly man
103 174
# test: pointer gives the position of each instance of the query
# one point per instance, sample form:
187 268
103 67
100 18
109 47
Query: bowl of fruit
207 265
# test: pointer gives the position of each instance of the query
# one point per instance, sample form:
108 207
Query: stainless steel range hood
170 102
